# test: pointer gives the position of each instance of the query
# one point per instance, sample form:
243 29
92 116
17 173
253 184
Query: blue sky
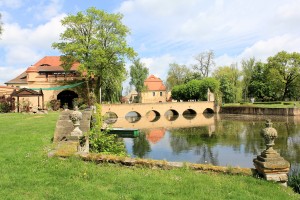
162 31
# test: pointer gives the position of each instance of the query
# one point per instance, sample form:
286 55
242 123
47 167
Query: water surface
224 140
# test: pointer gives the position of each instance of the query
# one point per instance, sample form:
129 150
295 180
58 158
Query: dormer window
44 65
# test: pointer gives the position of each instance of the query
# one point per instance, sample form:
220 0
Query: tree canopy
230 86
284 69
177 74
97 40
195 89
278 79
138 74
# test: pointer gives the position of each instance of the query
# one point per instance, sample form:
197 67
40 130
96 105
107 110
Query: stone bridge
153 111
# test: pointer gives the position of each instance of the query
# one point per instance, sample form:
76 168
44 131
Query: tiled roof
21 79
155 135
154 84
51 63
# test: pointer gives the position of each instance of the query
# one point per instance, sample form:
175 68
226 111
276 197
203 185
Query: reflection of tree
141 145
247 131
197 138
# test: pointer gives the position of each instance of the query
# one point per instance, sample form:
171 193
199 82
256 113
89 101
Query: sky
162 31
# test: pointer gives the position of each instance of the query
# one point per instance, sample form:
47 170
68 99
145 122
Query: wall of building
154 96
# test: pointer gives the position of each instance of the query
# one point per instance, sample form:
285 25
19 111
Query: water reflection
133 117
220 140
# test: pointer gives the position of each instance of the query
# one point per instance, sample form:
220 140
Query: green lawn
27 173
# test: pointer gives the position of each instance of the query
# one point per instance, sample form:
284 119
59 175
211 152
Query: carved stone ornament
269 164
75 117
269 134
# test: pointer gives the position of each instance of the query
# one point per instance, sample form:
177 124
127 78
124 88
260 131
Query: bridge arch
171 115
208 110
133 116
110 117
189 114
153 115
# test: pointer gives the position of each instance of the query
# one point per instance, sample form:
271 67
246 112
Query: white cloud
8 73
22 44
47 10
263 49
158 66
44 9
233 29
11 3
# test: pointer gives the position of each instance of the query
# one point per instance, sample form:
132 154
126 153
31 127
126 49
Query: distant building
47 73
6 91
156 91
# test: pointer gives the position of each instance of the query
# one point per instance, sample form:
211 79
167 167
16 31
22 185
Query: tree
97 40
177 75
230 86
208 83
258 86
205 61
284 71
138 74
247 67
195 89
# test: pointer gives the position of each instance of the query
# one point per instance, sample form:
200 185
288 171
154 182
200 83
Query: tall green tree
138 74
97 40
247 71
177 75
257 87
284 71
230 86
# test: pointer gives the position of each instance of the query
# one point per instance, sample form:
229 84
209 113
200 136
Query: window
153 93
160 94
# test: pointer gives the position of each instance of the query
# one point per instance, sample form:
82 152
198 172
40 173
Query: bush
55 104
268 102
4 107
294 181
101 141
5 104
288 103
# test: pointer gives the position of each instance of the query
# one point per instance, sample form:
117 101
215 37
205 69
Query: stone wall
64 125
260 111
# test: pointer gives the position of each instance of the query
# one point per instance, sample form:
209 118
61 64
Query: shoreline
243 110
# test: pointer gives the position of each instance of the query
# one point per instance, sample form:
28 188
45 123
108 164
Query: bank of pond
224 140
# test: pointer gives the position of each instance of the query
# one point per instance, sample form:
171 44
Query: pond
224 140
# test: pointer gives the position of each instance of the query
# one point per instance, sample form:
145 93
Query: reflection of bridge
163 122
153 112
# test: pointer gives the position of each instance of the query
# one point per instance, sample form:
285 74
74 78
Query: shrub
5 104
294 181
268 102
288 103
55 104
102 142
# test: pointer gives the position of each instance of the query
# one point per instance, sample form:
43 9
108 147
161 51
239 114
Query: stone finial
75 117
270 164
269 134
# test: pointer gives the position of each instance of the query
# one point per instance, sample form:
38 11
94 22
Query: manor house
47 74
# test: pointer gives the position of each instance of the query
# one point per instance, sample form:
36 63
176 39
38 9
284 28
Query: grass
27 173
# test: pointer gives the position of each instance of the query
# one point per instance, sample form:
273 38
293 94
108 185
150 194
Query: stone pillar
75 117
269 164
76 134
